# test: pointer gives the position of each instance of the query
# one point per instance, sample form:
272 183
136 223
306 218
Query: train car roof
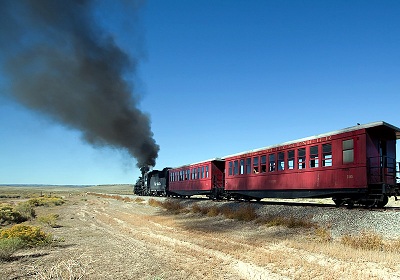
335 132
200 162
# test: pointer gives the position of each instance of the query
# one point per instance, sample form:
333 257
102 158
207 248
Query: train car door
218 178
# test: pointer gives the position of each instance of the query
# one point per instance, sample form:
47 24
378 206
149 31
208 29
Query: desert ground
108 237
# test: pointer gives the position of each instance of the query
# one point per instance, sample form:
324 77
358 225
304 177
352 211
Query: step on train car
355 165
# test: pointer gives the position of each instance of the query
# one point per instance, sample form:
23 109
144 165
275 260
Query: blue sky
221 77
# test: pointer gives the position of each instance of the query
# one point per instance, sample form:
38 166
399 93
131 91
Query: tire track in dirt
206 252
162 233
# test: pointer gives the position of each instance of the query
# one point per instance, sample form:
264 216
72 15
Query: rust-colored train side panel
201 184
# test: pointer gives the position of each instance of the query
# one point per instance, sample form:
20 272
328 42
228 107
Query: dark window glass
236 167
248 165
301 158
290 160
272 163
263 164
281 161
326 155
256 168
314 161
230 168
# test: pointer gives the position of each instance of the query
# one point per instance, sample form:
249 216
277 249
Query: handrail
398 172
382 170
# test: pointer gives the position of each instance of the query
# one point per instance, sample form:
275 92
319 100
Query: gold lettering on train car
350 176
298 144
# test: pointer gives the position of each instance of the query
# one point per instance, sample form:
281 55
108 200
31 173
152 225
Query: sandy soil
111 239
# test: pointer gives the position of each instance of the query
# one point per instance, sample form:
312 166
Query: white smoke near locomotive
355 165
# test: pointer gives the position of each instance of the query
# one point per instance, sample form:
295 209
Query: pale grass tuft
393 246
172 206
245 212
365 241
290 222
154 202
112 196
213 211
73 268
242 213
198 209
50 220
139 200
323 234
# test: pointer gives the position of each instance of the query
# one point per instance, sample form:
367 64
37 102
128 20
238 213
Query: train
353 166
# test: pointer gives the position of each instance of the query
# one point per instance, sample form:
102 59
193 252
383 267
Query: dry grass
210 247
290 222
364 241
154 202
49 219
116 197
245 212
139 200
172 206
323 234
73 268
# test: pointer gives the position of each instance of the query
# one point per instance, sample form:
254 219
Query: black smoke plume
59 61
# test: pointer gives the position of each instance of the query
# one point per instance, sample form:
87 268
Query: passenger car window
314 161
256 168
263 164
281 161
348 151
301 158
327 155
290 159
272 163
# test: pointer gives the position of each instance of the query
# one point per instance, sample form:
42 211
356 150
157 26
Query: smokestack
59 62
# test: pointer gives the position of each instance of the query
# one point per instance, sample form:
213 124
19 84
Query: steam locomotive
354 165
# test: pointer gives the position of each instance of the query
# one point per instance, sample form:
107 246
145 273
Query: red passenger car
203 178
353 165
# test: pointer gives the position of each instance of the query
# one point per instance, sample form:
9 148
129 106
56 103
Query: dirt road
111 239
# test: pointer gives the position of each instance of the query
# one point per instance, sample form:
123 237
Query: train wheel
350 203
338 201
382 203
